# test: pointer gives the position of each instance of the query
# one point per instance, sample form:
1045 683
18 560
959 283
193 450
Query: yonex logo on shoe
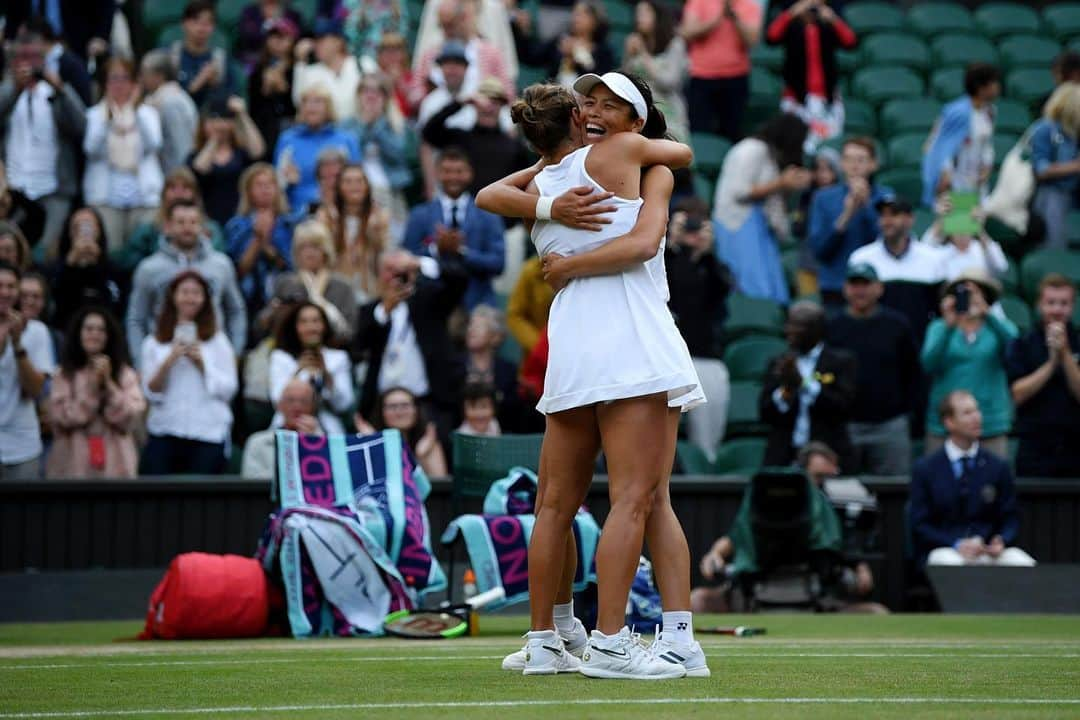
680 626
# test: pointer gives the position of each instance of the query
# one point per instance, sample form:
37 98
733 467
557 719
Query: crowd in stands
262 216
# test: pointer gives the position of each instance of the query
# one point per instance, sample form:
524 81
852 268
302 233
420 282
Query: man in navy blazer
963 506
453 218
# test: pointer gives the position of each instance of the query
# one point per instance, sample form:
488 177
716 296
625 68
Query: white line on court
451 658
542 703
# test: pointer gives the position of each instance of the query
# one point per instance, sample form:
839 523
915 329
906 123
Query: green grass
832 666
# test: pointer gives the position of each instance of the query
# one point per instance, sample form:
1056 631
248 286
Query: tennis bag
206 596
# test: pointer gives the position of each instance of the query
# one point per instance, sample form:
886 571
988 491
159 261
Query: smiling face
93 335
399 410
189 297
9 291
479 413
31 297
310 327
605 114
582 21
314 110
197 30
1056 304
454 176
9 249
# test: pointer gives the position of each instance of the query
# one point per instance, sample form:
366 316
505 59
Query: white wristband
543 207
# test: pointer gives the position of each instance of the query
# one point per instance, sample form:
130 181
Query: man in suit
453 221
809 391
963 507
403 334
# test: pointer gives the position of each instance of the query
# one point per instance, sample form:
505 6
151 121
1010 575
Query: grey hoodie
152 276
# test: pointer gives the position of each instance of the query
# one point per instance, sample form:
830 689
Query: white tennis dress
610 337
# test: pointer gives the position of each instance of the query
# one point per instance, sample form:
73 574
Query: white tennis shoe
689 656
624 656
546 654
574 641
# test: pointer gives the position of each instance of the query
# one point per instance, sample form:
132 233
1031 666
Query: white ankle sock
679 627
564 617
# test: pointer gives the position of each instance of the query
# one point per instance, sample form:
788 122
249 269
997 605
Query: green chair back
1028 51
896 49
704 187
742 414
871 17
172 33
709 152
859 117
1004 18
905 151
770 57
480 461
876 85
960 50
908 115
906 182
1037 264
1011 116
530 75
620 16
742 456
766 84
947 84
753 316
1018 311
748 358
934 18
158 15
692 459
1062 20
1003 143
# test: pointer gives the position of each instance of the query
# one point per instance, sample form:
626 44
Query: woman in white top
615 350
123 177
961 253
302 352
190 377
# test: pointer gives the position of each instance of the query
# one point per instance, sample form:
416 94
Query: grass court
831 666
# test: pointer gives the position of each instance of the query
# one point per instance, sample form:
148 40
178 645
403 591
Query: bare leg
637 464
664 533
571 438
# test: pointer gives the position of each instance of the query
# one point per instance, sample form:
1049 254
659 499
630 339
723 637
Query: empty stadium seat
770 57
895 49
1029 85
1011 116
924 218
742 456
228 12
905 151
158 15
908 115
947 84
765 84
620 16
704 187
1011 279
960 50
870 17
1027 51
934 18
748 358
709 152
1003 143
876 85
847 61
1004 18
753 316
759 109
859 117
1018 311
530 75
692 459
1037 264
742 416
1062 20
905 181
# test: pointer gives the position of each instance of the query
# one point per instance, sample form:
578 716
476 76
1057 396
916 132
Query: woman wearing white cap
612 375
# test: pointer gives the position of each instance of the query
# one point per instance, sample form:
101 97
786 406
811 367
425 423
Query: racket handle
485 598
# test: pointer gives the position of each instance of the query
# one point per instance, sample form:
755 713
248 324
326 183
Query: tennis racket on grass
739 631
446 621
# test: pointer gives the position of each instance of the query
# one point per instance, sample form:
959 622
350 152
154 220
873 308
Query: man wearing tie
453 220
963 506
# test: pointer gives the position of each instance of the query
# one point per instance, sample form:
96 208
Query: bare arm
578 207
625 251
1030 385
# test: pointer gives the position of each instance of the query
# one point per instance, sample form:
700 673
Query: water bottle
469 583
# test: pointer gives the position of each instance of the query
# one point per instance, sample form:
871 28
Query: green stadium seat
1027 51
1003 143
859 117
905 151
704 187
871 17
961 50
309 8
924 218
789 260
620 16
530 75
742 414
1037 264
1062 20
174 32
905 181
748 358
228 13
742 456
1029 85
709 152
692 459
770 57
908 115
947 84
1004 18
1072 221
1076 314
158 15
765 84
847 61
934 18
877 85
895 49
481 460
759 109
1074 44
1018 311
1011 116
753 316
1011 279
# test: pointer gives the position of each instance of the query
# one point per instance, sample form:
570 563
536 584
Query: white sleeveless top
610 337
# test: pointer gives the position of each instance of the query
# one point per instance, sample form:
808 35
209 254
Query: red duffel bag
209 596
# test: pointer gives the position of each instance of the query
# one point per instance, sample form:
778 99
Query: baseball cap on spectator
491 87
990 286
862 271
895 203
283 26
452 51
